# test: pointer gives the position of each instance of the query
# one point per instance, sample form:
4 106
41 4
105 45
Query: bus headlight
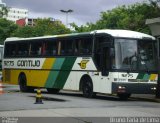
154 88
121 89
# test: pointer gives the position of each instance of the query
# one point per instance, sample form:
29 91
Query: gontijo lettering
28 63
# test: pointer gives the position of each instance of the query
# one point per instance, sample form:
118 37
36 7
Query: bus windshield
135 55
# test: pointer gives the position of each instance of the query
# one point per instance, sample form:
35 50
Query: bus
120 62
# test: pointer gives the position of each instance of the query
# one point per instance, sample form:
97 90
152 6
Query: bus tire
123 96
87 87
23 84
53 90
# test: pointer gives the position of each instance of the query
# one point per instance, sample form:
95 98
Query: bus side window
67 47
51 48
76 47
11 49
62 47
22 49
36 48
43 50
13 53
85 46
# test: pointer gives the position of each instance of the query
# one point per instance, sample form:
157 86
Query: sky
83 10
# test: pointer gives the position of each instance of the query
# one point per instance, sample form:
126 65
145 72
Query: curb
147 99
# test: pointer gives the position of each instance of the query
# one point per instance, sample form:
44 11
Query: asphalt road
73 104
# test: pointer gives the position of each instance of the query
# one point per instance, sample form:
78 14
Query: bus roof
125 34
114 32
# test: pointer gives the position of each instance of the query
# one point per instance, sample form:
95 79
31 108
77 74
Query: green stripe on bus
64 73
58 63
146 77
54 74
140 76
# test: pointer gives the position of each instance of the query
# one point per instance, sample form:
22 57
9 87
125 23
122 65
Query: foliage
6 29
42 27
3 11
131 17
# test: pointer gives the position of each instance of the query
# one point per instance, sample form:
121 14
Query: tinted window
50 48
10 49
35 48
83 46
22 48
67 47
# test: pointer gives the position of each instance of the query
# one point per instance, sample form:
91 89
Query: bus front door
105 60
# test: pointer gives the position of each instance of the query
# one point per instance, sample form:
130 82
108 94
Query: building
20 16
154 25
32 21
15 14
21 22
2 4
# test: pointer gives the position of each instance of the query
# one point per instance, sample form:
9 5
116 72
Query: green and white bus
118 62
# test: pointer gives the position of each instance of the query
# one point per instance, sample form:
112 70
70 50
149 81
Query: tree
48 27
6 29
24 32
130 17
82 28
3 11
42 27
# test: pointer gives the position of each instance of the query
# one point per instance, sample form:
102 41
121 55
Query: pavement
144 97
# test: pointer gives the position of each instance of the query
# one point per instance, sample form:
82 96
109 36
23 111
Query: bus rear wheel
123 96
53 90
87 88
23 84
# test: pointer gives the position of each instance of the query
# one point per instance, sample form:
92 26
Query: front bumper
135 88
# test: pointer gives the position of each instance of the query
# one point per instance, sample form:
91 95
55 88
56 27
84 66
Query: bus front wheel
87 88
23 84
